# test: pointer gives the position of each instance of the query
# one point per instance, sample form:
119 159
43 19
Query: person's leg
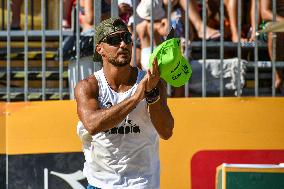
279 57
141 29
254 26
16 13
138 58
232 9
197 22
178 91
144 38
160 30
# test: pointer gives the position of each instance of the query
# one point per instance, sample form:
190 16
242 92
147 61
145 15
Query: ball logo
72 179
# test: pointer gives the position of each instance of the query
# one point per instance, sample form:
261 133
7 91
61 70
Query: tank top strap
101 80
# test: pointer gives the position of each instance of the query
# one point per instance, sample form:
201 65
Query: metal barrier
58 34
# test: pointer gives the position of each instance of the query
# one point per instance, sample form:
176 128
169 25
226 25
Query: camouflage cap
106 28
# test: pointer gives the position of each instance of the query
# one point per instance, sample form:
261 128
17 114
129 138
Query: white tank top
126 156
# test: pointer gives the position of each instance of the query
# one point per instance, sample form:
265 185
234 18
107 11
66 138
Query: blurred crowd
177 20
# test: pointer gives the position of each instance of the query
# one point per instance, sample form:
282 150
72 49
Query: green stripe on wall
252 180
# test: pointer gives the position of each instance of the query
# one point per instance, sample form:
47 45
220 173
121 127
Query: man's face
117 48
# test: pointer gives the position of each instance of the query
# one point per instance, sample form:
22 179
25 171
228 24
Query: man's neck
120 77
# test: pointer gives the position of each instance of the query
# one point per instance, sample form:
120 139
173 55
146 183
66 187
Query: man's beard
118 63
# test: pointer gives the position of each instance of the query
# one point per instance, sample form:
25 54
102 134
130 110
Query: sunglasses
116 39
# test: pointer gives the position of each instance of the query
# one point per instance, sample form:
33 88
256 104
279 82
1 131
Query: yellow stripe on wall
2 129
218 124
42 127
200 124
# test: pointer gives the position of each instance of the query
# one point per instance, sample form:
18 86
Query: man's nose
122 43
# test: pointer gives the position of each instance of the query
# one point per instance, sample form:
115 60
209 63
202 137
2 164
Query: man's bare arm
161 115
94 118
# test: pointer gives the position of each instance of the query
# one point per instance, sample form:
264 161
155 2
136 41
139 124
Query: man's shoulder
90 80
87 85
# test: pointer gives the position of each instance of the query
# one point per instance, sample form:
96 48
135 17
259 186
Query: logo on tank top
125 128
108 105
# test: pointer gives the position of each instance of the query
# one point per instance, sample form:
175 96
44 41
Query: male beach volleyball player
123 111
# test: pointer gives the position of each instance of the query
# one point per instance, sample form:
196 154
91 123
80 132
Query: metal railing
58 35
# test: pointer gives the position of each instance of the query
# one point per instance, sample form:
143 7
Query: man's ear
99 48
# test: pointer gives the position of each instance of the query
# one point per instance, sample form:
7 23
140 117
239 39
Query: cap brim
180 75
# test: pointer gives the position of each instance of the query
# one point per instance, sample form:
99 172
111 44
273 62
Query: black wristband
153 93
152 96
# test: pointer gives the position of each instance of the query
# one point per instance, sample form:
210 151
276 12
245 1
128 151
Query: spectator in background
267 16
68 5
86 13
16 14
211 33
86 63
231 19
160 31
177 22
86 18
125 10
144 28
254 25
232 10
138 45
